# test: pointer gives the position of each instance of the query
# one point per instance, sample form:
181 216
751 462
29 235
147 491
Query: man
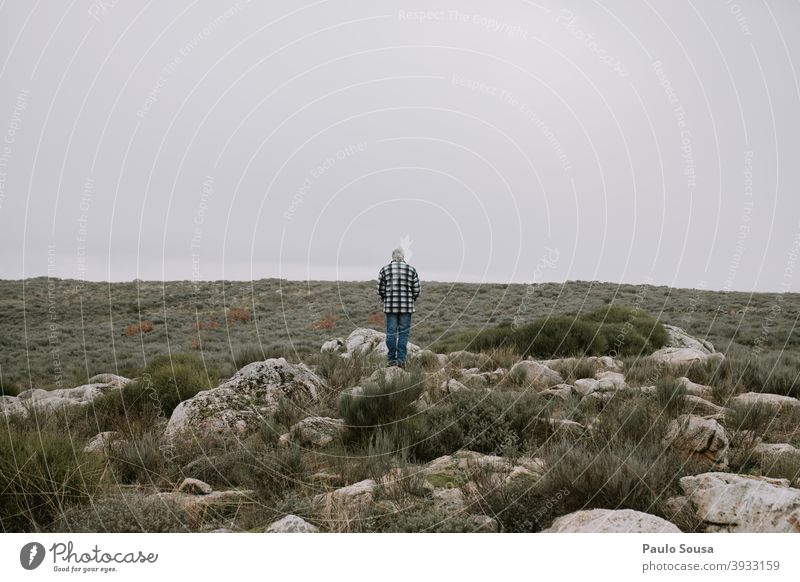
398 287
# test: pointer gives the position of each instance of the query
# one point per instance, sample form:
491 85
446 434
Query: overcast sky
653 141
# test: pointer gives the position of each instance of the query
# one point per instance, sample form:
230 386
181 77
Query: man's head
398 254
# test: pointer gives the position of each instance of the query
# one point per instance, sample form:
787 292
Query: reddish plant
133 329
328 321
375 318
212 323
239 314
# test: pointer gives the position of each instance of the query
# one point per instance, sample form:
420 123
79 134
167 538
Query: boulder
700 438
291 524
352 497
562 391
239 405
680 356
335 345
775 402
12 406
585 386
317 431
696 405
536 374
474 378
611 521
697 389
79 394
600 363
727 502
451 386
195 487
197 506
451 471
111 380
771 452
678 338
450 499
365 341
100 442
610 382
465 359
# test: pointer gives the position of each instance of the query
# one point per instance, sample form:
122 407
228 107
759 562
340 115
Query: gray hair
398 254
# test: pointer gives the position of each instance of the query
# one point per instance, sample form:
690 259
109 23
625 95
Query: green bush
621 475
41 476
119 514
670 394
178 377
610 330
138 406
423 518
139 459
247 355
488 422
518 506
382 402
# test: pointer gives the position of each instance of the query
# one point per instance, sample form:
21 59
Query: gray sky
654 141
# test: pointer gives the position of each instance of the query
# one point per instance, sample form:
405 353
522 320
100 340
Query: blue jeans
398 326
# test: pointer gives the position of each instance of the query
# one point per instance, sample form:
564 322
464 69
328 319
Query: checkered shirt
398 287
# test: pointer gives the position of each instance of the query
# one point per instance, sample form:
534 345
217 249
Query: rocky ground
713 499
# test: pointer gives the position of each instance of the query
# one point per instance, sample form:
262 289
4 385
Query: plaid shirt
398 287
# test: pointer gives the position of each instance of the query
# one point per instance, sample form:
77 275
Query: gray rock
678 338
240 405
700 438
100 442
291 524
195 487
365 341
775 402
318 431
536 374
728 502
697 405
611 521
352 497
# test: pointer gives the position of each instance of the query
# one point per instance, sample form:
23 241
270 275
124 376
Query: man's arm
381 285
415 287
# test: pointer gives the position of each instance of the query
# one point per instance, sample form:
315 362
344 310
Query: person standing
398 287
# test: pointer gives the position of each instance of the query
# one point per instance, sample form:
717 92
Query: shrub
143 327
139 459
121 514
239 314
645 371
426 360
41 476
610 330
423 518
518 505
573 369
247 355
140 404
756 417
341 373
487 422
616 476
670 394
178 377
380 403
327 322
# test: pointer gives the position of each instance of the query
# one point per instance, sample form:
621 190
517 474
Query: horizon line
562 283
